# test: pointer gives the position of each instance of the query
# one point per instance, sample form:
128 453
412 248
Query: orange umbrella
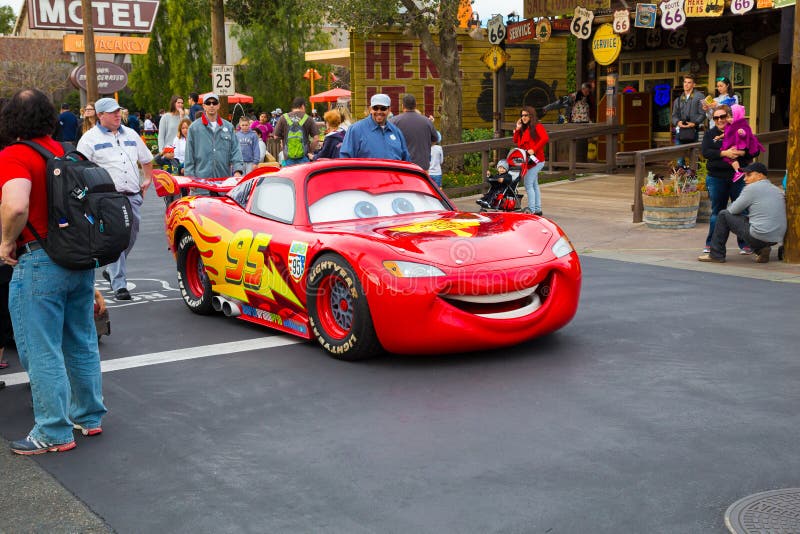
330 96
235 98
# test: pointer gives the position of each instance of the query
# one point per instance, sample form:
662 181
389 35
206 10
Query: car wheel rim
195 274
335 307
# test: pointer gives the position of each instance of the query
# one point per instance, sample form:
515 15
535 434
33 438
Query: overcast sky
485 8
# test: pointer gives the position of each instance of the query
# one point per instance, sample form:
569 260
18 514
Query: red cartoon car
368 255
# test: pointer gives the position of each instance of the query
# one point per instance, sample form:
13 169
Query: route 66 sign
672 14
653 39
622 21
740 7
677 39
581 26
496 29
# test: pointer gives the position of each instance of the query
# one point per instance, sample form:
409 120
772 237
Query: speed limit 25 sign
223 81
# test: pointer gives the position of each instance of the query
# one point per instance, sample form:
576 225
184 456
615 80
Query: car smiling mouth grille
508 305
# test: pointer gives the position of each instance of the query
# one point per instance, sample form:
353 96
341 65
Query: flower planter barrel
704 211
671 212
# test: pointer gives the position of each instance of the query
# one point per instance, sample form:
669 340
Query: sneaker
745 251
762 255
538 212
482 203
88 431
710 258
706 249
737 176
122 294
106 276
30 445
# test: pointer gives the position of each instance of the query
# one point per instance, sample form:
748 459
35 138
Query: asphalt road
671 395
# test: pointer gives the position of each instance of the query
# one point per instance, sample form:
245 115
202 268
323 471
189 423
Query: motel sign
124 16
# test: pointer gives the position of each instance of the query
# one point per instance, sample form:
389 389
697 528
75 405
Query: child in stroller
502 194
498 184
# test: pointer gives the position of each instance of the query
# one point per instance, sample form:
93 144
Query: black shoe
539 213
106 276
482 203
122 294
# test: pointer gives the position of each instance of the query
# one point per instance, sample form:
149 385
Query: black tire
338 312
192 278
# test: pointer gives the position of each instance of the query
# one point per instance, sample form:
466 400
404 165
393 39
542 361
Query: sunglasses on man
210 103
379 108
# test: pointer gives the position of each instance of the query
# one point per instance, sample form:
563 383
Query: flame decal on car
238 264
457 227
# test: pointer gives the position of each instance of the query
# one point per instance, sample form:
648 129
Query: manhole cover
769 512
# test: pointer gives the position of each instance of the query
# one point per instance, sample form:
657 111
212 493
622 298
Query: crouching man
765 225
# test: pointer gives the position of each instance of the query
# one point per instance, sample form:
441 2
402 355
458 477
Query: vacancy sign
123 16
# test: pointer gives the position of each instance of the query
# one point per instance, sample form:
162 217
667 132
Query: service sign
124 16
606 45
521 31
110 77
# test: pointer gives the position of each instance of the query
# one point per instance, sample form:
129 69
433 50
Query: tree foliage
179 58
7 20
433 22
273 36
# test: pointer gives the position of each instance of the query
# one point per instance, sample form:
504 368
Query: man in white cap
375 136
118 149
212 150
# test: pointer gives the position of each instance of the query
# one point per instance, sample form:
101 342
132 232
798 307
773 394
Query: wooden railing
691 151
570 133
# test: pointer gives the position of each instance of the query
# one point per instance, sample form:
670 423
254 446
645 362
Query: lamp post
311 75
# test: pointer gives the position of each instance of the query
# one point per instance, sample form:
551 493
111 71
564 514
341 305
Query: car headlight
409 269
562 247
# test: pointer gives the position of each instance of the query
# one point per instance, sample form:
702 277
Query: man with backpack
298 132
49 304
117 149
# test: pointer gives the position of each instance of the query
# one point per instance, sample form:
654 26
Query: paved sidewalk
595 211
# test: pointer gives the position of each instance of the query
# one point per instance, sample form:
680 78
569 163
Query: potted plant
671 202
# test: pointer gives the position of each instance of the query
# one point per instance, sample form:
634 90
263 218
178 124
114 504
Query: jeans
719 191
532 187
118 270
437 178
295 161
727 222
52 309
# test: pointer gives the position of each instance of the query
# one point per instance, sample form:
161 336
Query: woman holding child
719 182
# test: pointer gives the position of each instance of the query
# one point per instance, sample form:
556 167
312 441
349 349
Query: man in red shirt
51 307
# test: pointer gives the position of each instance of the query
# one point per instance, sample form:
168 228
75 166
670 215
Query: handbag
687 135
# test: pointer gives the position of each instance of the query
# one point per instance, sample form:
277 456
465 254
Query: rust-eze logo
128 16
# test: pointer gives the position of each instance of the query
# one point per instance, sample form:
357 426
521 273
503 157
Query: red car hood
455 239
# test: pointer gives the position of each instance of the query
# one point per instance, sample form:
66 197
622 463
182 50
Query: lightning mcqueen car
364 255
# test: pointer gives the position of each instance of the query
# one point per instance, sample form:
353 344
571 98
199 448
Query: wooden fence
558 133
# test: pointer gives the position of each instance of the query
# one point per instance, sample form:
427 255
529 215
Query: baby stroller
507 198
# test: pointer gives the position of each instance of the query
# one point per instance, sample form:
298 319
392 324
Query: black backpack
88 221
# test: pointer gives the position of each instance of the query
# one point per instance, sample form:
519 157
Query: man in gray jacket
765 225
212 150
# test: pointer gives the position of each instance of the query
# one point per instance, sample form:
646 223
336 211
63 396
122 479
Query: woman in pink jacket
530 136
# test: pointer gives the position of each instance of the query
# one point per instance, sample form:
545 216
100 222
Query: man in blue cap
765 225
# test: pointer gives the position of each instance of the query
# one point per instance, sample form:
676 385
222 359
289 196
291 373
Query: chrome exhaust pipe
229 307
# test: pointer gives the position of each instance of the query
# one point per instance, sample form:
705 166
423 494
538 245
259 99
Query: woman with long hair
724 95
88 122
168 125
530 136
